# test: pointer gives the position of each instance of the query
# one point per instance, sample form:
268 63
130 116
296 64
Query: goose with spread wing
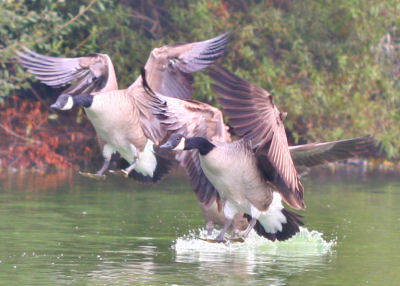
251 175
122 118
306 155
247 175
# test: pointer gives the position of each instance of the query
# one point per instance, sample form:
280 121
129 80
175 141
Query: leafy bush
332 65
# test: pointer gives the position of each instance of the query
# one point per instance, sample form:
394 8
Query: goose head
176 142
63 102
66 101
179 142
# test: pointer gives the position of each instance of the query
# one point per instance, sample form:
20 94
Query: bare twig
79 14
29 140
141 16
66 24
154 19
157 18
80 44
38 97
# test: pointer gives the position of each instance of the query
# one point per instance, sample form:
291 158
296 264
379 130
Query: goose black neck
84 100
202 144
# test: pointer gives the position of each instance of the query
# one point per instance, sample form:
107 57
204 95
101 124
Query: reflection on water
129 271
69 230
34 182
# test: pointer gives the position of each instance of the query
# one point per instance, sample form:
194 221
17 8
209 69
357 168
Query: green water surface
69 230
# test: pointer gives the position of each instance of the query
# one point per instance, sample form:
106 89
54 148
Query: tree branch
29 140
66 24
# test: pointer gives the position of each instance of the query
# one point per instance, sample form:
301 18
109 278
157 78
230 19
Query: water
67 230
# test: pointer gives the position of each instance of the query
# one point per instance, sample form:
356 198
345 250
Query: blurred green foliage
334 66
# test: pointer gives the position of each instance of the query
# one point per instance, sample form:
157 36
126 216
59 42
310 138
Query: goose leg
249 227
104 168
125 172
99 175
130 168
209 227
135 158
255 214
221 235
229 212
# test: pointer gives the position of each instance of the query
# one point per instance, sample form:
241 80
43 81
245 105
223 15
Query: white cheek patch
146 163
181 145
69 104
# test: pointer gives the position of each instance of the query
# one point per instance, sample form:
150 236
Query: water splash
304 244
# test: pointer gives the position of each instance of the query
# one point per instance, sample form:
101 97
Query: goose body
131 143
232 169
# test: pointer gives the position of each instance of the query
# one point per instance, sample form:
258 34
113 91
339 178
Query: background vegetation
334 66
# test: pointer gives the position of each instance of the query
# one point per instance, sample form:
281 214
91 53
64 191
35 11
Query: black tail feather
290 228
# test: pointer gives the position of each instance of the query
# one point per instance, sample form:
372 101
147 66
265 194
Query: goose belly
233 178
118 138
117 125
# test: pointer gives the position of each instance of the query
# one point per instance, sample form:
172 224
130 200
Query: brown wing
150 124
320 153
253 116
169 68
84 74
192 118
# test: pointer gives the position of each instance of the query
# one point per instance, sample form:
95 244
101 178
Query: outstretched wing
320 153
84 74
169 68
192 118
254 117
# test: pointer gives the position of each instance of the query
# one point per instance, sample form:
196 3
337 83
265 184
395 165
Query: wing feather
192 118
313 154
169 68
254 117
83 74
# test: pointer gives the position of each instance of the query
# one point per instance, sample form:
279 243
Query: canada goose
92 73
306 155
122 118
241 182
244 178
249 177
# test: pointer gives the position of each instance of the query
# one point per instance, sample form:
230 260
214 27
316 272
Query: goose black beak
166 145
55 105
